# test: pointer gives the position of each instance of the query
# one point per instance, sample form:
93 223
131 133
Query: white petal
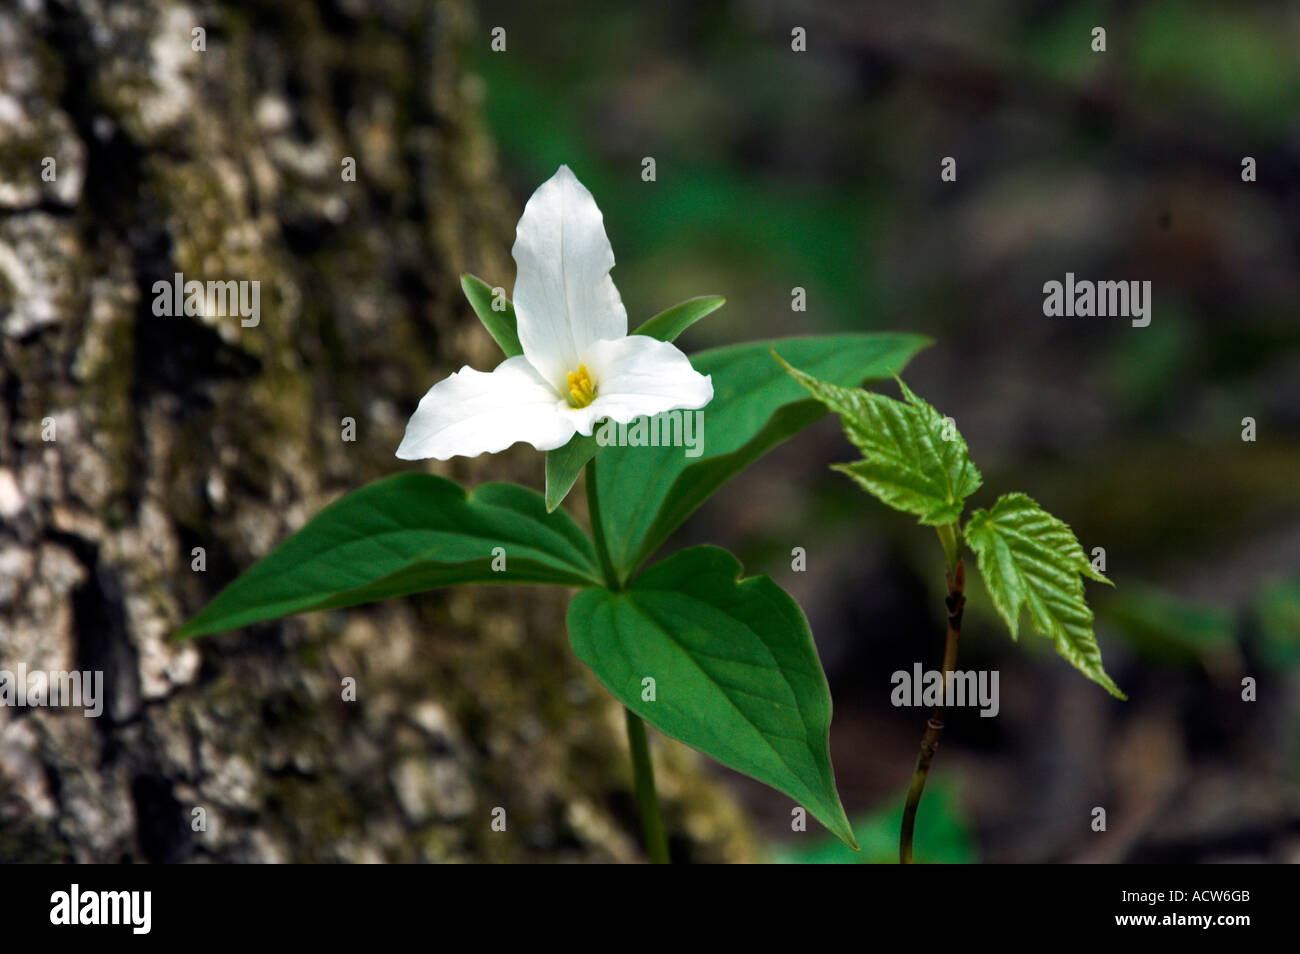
564 298
476 412
639 375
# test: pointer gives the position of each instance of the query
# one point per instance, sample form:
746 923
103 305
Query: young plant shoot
915 461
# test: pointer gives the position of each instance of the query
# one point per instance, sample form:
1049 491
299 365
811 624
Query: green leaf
908 463
401 535
735 671
501 325
1028 558
667 325
646 492
563 467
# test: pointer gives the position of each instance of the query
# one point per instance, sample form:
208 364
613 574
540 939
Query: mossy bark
177 433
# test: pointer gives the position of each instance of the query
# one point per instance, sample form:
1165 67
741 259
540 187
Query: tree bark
128 440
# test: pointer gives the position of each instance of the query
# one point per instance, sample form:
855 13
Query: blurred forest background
774 169
778 169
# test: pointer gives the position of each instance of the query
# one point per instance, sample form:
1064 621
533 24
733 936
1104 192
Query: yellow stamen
581 389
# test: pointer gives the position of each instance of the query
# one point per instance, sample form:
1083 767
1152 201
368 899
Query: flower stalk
598 529
647 799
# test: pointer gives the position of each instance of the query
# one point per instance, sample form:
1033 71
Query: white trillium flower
579 364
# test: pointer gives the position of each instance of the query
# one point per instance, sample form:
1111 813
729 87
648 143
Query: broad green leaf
401 535
735 671
1029 559
501 325
564 465
915 459
646 492
667 325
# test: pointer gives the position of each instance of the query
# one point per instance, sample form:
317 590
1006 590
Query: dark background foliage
778 169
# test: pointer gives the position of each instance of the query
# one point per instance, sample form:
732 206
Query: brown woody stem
956 602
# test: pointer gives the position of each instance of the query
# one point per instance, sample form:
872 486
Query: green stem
647 799
950 537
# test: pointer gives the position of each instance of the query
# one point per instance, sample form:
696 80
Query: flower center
581 391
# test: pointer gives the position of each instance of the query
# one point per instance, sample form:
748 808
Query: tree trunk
135 445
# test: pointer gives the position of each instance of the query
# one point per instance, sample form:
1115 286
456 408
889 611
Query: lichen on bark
174 433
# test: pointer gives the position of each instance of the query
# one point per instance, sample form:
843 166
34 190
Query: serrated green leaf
667 325
401 535
501 325
735 671
1030 559
646 492
915 459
